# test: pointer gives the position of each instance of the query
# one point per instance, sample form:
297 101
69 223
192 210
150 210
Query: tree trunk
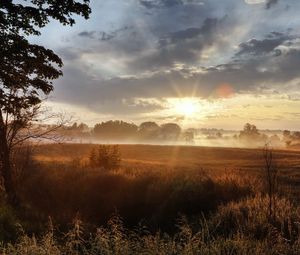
5 166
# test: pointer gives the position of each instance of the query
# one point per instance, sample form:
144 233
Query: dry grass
245 229
220 192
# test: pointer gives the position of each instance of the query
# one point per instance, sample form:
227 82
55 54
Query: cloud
271 3
101 35
206 49
255 68
182 46
152 4
265 46
255 1
268 3
88 34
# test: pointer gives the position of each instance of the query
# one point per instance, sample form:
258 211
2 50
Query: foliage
243 221
115 130
224 213
170 131
121 130
157 197
107 157
149 130
26 71
250 132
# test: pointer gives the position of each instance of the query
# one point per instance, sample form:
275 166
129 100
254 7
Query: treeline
251 133
145 131
116 130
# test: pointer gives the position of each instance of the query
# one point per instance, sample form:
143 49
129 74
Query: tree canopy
26 70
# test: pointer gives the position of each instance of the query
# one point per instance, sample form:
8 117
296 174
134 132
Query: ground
179 156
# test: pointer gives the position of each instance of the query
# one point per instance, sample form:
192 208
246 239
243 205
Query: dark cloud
265 46
103 36
152 4
88 34
206 32
259 71
183 46
271 3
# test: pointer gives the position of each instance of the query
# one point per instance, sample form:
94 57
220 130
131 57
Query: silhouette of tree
189 136
170 131
26 70
115 130
249 132
286 134
149 130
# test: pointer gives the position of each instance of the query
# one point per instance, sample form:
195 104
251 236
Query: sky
198 63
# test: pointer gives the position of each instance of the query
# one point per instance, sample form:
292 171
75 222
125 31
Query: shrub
105 156
8 224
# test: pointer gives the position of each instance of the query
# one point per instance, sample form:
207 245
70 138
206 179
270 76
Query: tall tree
26 70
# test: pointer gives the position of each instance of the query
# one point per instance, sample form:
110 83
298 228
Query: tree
170 131
148 130
250 132
286 134
26 70
189 136
115 130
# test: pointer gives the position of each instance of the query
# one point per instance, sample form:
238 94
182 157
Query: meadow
160 200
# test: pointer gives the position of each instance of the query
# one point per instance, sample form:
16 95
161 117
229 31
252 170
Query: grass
236 228
171 200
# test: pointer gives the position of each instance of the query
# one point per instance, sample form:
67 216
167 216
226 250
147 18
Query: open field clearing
207 158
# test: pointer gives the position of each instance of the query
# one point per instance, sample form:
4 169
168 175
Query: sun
186 107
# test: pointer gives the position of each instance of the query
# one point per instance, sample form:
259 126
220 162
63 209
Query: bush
8 224
107 157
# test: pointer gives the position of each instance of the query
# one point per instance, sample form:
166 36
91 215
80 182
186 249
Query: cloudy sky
200 63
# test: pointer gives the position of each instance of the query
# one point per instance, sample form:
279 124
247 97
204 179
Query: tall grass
164 211
157 198
239 223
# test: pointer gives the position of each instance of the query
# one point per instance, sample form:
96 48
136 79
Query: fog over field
120 132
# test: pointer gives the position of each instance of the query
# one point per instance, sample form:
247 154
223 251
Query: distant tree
274 139
115 130
148 130
170 131
288 143
26 70
296 136
188 136
286 134
250 132
219 135
83 127
74 126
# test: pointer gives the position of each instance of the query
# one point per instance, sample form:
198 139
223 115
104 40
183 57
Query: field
160 200
174 156
154 157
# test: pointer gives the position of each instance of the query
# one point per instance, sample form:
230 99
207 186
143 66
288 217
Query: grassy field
161 200
179 157
175 156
